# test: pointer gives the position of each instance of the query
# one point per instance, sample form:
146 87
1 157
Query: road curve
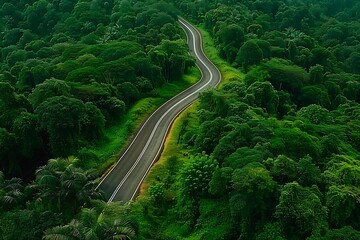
122 182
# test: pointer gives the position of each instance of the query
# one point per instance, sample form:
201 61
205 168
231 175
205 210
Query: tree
321 56
266 96
239 137
210 134
170 31
220 183
292 50
7 97
343 203
48 89
63 188
27 135
172 57
197 175
284 169
314 94
11 192
255 188
249 54
129 92
300 210
111 107
105 221
285 141
317 74
244 156
93 123
7 143
230 38
342 170
353 62
314 113
271 231
345 233
26 224
61 118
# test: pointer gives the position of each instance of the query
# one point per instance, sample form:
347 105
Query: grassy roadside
119 135
172 148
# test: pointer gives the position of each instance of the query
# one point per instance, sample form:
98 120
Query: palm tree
105 221
78 188
66 232
47 185
292 33
64 188
11 192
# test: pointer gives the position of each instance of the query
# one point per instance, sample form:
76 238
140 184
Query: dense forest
272 154
69 69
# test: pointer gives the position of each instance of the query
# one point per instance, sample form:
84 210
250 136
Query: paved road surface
123 181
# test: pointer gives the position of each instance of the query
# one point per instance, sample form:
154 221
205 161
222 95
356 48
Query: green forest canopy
272 156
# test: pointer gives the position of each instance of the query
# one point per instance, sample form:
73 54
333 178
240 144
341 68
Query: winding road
122 182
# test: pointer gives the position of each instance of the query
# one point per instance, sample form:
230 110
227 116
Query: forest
272 154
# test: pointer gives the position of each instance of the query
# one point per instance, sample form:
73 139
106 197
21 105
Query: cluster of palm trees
11 192
62 187
65 189
101 222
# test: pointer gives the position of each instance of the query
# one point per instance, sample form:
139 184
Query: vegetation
280 142
72 75
272 154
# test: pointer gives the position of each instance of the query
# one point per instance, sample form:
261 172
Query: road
122 182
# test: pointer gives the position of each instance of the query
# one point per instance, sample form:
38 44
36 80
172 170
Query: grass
228 72
118 136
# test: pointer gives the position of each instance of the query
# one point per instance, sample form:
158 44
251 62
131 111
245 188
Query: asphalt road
122 182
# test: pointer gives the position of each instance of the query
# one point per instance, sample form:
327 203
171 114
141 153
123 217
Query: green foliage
210 134
63 188
295 118
314 113
286 141
197 175
48 89
286 138
93 123
302 208
267 97
27 224
272 231
340 234
249 54
11 193
342 202
26 130
104 221
61 118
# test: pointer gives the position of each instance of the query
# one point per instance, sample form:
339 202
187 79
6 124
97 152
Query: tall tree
249 54
61 118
